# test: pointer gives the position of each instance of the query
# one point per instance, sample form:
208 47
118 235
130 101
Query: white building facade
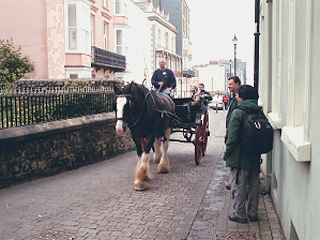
213 76
163 41
132 32
289 93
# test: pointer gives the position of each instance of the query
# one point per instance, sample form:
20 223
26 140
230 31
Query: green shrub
12 65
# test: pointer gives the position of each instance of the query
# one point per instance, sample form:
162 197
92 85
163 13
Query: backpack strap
247 110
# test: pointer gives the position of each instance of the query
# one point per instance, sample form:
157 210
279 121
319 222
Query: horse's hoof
163 168
140 186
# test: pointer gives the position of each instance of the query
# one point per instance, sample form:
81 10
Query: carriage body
193 122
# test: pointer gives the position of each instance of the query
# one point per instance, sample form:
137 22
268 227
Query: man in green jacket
245 168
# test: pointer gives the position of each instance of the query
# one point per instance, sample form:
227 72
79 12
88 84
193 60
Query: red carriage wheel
198 144
205 133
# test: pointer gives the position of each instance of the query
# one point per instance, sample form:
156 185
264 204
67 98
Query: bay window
79 26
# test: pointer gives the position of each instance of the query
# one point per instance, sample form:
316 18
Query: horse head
127 98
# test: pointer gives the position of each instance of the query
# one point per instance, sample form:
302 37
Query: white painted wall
213 77
289 92
136 44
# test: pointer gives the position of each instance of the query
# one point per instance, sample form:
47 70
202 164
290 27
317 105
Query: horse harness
151 108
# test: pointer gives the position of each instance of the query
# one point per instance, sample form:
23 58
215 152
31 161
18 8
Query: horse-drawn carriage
193 122
153 116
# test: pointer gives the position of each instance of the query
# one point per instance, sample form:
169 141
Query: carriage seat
185 111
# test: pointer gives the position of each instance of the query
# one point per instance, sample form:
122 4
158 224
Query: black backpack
257 137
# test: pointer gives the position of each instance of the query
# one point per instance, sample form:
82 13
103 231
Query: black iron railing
24 107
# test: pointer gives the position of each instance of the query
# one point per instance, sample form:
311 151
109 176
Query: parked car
216 102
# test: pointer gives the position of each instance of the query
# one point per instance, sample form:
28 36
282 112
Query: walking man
225 100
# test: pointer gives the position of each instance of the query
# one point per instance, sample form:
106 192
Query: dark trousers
245 182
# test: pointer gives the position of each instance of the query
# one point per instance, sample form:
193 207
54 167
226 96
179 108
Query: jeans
163 91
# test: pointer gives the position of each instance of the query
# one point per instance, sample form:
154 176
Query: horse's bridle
130 107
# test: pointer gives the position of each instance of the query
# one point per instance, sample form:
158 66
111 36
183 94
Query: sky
213 24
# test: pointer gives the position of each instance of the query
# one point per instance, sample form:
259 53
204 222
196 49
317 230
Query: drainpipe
256 44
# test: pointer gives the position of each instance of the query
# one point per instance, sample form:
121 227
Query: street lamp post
235 42
227 77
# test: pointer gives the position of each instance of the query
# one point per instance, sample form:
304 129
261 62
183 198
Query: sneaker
253 218
234 218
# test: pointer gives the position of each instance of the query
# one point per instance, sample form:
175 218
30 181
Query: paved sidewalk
212 218
98 201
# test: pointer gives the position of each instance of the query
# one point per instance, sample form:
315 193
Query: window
79 26
105 35
172 45
159 38
104 3
167 40
173 65
119 41
73 76
118 7
92 21
72 26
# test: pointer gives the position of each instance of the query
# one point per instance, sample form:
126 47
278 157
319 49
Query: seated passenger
195 96
204 94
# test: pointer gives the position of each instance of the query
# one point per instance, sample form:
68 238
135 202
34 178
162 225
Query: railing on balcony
107 59
189 73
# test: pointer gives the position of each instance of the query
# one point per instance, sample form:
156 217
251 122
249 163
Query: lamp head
235 40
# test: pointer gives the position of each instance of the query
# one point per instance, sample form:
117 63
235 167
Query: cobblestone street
99 202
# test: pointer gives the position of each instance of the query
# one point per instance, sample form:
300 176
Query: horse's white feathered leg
121 101
157 151
164 166
143 175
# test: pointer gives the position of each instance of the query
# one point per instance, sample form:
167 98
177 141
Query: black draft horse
149 116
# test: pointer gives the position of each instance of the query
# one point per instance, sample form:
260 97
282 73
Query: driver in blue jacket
163 78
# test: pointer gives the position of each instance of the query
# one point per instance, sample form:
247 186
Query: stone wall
44 149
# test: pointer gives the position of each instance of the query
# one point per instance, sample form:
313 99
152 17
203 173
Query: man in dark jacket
245 168
204 94
233 83
163 78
